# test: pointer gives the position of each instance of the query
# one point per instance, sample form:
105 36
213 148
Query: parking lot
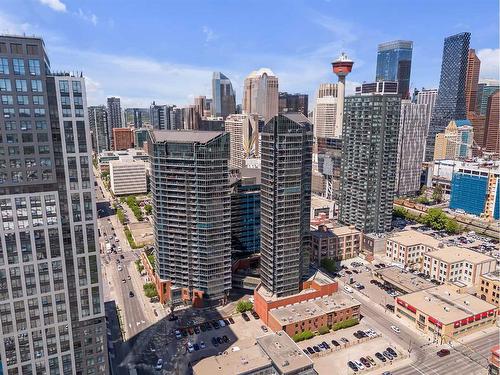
334 360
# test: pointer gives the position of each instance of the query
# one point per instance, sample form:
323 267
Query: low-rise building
313 314
402 280
373 243
494 361
457 264
275 353
105 157
409 246
445 314
128 177
488 288
335 243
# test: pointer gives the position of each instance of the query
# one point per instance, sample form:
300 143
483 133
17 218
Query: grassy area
345 324
150 290
151 259
134 206
306 335
434 218
121 215
323 330
130 239
243 306
139 266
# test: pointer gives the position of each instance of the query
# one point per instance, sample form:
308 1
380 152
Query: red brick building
123 138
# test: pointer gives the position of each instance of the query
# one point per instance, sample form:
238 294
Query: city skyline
171 74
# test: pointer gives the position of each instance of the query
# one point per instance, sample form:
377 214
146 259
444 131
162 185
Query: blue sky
166 50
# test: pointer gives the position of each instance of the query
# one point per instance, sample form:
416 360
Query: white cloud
56 5
210 35
489 63
89 17
8 25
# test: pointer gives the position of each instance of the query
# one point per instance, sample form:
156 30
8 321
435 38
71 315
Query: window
64 86
78 100
16 48
77 87
38 100
27 137
24 112
39 112
66 112
10 125
41 125
11 138
42 137
26 125
18 65
78 112
22 100
8 112
21 85
4 66
65 100
34 66
32 49
7 100
36 85
43 149
5 84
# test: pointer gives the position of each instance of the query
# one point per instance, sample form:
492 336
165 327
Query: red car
443 353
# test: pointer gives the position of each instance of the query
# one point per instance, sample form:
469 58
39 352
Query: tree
328 265
400 212
323 330
453 227
148 209
243 306
423 190
437 194
150 290
436 219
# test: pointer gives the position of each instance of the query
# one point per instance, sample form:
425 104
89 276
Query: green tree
436 219
323 330
306 335
243 306
437 194
423 190
150 290
329 265
400 212
148 209
452 226
139 266
345 324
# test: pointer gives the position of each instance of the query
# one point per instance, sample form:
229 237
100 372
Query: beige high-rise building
260 93
327 89
243 132
324 117
455 142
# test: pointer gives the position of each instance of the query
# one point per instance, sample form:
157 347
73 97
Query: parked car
197 330
196 347
316 349
352 366
255 315
393 352
178 334
231 320
343 339
387 355
443 353
202 345
130 294
226 322
390 307
348 289
365 362
219 340
325 345
245 317
215 324
224 338
214 341
380 356
335 343
310 350
395 329
264 328
359 365
221 323
159 364
372 361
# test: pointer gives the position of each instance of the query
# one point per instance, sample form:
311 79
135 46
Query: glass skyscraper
450 103
394 64
223 97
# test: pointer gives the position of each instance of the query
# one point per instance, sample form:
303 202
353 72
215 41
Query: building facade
192 212
123 138
484 90
51 305
98 120
293 103
136 117
471 81
140 136
336 244
245 212
329 165
128 177
489 287
450 102
286 164
244 138
411 144
476 191
455 142
324 118
394 64
260 94
427 97
327 89
369 156
492 125
223 96
114 116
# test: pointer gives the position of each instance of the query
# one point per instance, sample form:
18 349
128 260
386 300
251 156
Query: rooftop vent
285 363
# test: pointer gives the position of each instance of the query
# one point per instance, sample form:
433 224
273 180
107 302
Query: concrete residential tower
286 155
341 67
51 304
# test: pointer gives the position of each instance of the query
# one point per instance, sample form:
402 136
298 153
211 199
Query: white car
359 365
395 329
159 364
221 323
120 268
348 289
190 347
202 345
178 334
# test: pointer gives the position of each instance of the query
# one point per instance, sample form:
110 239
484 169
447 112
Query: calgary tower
341 67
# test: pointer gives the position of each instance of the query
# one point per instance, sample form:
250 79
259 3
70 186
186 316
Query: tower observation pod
341 67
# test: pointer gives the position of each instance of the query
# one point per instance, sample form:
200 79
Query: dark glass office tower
394 64
450 102
98 119
286 168
51 305
369 155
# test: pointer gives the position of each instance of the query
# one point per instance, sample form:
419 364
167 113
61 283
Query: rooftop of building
493 276
127 161
285 354
130 151
412 237
318 277
454 254
445 304
320 202
320 306
233 362
325 231
404 280
261 72
185 136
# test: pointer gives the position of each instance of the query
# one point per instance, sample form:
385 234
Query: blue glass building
450 102
468 193
394 64
223 97
245 213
